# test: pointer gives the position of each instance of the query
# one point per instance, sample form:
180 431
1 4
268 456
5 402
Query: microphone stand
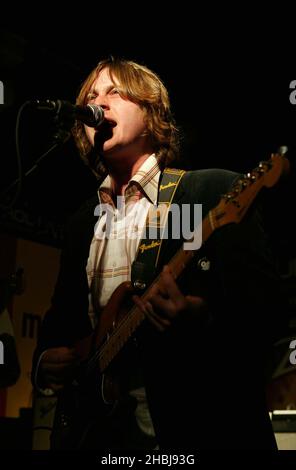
60 137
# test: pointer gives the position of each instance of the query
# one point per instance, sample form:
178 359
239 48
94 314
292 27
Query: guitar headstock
233 205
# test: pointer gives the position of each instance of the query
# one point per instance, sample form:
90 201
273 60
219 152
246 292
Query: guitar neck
134 318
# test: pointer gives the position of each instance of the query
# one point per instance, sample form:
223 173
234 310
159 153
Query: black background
228 73
228 83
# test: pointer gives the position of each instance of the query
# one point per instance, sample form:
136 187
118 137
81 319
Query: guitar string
129 318
100 352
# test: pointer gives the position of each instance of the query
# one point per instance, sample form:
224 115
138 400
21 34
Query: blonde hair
144 87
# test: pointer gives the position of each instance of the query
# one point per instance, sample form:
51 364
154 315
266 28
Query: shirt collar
146 179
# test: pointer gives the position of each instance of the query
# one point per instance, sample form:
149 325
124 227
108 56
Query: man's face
121 134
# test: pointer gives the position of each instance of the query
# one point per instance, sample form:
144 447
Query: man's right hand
57 367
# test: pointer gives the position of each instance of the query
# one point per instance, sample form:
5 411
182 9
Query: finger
59 355
59 376
169 308
169 285
196 303
195 300
158 318
139 302
161 304
145 310
154 322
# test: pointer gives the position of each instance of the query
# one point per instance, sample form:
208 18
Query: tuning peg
251 177
283 150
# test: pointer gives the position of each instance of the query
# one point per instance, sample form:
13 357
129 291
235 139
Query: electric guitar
95 390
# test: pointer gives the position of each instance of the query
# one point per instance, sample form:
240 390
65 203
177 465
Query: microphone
92 114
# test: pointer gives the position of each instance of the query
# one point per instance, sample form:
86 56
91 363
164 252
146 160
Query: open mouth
104 132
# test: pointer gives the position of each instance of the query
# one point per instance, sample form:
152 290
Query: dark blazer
204 375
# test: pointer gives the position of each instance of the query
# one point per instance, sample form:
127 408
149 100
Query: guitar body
92 395
80 407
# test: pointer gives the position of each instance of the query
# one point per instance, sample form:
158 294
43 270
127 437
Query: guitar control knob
204 264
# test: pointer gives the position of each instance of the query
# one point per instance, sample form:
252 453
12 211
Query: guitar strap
145 264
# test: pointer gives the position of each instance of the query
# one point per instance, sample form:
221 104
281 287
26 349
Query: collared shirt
113 249
119 231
